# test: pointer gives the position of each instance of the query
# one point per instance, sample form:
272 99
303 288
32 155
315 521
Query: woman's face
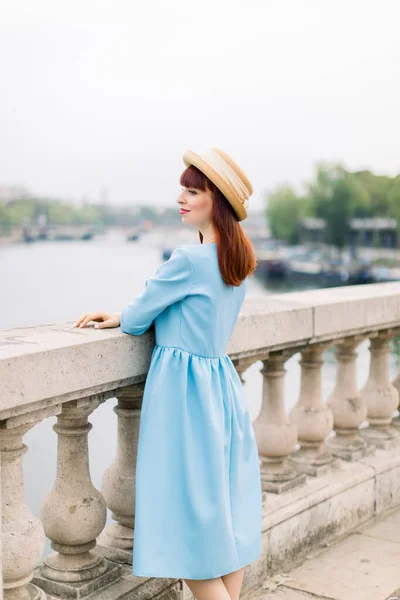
196 206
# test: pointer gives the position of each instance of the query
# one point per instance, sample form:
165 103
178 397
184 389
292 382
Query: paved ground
363 566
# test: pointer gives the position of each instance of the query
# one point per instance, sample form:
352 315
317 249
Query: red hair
236 258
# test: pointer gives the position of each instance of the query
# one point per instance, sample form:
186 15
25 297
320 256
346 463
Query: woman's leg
208 589
233 583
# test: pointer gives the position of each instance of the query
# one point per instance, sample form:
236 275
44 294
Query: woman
198 506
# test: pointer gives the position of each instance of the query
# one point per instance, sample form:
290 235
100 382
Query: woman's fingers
86 317
80 319
103 319
86 321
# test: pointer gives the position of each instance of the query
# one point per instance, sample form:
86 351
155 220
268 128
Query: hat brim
191 158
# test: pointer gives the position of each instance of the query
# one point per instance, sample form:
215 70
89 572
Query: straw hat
229 178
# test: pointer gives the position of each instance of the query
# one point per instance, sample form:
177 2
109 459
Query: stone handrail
56 369
51 364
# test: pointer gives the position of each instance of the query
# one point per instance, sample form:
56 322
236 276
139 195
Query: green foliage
394 202
17 209
378 187
334 195
60 213
13 213
284 211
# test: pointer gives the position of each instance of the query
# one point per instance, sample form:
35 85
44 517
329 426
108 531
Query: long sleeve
172 282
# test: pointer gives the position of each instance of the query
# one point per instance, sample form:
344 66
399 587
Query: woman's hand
103 319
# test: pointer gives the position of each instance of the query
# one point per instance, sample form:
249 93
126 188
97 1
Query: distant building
379 232
376 232
312 231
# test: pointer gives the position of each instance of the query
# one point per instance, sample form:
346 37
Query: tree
336 195
394 204
378 187
60 213
284 212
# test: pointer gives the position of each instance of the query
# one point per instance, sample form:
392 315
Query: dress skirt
198 499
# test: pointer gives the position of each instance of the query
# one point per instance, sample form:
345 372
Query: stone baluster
118 485
276 435
312 418
396 420
73 513
380 395
242 364
22 533
396 383
349 410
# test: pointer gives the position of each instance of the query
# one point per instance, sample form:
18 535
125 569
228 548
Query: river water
47 282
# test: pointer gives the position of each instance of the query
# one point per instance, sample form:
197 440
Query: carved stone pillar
22 532
242 364
312 418
349 410
396 420
118 485
276 435
74 512
380 395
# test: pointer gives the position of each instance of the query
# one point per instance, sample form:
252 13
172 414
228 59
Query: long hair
236 258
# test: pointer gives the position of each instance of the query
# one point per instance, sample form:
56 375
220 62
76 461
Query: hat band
214 160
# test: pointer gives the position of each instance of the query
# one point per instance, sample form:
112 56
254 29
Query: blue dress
198 498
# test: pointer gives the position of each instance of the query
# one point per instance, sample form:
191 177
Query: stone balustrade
325 466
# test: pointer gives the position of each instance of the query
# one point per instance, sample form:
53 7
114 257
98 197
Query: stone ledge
49 364
300 521
348 308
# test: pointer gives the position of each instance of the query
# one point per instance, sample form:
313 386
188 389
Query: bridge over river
330 470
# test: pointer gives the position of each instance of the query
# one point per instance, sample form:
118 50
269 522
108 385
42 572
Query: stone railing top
44 366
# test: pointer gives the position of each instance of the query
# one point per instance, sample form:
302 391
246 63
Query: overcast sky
99 93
